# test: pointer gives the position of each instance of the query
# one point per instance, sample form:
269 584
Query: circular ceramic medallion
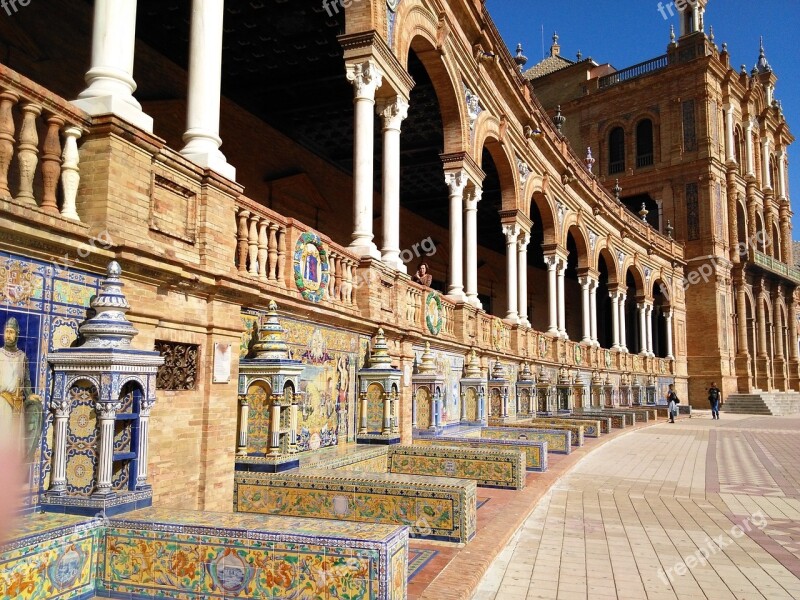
433 313
80 471
311 272
63 336
578 354
82 421
608 359
542 346
68 567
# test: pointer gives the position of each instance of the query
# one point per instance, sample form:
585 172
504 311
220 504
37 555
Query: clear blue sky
626 33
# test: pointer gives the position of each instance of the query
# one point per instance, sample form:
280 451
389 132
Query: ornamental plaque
311 271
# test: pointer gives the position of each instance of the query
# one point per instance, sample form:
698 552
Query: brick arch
417 30
638 278
655 122
605 250
660 283
605 147
581 242
487 135
546 209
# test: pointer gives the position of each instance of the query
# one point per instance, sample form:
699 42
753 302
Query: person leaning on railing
422 276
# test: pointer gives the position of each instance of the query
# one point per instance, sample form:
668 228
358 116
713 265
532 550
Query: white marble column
106 416
244 416
393 112
552 294
623 334
58 479
562 308
109 80
730 143
144 444
471 244
511 231
649 320
668 317
586 309
593 285
766 174
366 79
751 164
205 89
642 308
456 182
522 271
275 426
293 410
387 413
363 409
782 174
615 320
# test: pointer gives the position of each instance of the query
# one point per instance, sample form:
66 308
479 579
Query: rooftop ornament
643 212
559 119
520 58
589 160
617 189
669 229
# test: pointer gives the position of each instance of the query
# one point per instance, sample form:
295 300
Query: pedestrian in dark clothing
673 401
714 398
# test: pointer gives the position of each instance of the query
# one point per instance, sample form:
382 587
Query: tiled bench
434 507
489 467
550 425
558 440
535 451
590 428
605 422
620 419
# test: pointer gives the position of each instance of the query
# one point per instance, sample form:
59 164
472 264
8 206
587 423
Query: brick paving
698 509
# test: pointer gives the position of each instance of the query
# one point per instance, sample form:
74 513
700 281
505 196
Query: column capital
366 78
456 181
472 197
511 231
393 111
523 240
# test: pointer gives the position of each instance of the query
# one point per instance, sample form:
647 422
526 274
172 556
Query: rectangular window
692 212
689 127
179 371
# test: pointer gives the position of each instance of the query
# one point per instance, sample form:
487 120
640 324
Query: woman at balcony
422 276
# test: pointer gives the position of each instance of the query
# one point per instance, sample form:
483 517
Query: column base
394 262
117 106
364 247
512 318
473 301
779 369
456 295
764 373
553 332
215 161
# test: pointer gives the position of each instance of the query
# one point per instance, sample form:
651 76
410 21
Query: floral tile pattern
557 440
535 451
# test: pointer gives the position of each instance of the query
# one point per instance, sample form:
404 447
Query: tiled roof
551 64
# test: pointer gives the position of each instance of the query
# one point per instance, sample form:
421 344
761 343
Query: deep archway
577 262
537 292
661 307
605 307
634 295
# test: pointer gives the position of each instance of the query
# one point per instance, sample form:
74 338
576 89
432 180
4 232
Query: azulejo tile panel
535 451
435 507
577 430
488 467
450 366
557 440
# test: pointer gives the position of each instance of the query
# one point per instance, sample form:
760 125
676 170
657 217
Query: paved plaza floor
696 509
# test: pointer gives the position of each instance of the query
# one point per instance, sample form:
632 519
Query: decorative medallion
433 313
16 282
311 271
608 359
64 572
542 346
229 572
578 354
80 472
82 421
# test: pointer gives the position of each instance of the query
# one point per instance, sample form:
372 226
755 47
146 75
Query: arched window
616 151
644 143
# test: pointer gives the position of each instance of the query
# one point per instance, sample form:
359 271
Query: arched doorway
605 306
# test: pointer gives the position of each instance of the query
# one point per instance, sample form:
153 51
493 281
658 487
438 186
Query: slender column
463 406
70 173
751 164
253 245
263 245
242 240
273 251
362 414
623 335
392 112
395 408
106 415
762 325
593 285
562 308
51 163
244 415
387 413
668 317
552 294
28 151
366 79
435 417
110 77
58 479
730 144
585 302
293 424
793 350
511 231
642 308
615 320
144 444
275 426
782 174
522 272
649 320
456 182
7 101
471 244
766 174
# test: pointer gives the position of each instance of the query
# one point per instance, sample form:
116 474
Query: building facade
700 148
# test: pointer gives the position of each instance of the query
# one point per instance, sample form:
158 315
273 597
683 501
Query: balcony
633 72
775 266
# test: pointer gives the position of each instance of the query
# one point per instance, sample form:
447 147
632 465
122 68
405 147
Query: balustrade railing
39 133
638 70
776 266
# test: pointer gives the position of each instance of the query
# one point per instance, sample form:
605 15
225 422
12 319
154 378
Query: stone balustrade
261 242
39 135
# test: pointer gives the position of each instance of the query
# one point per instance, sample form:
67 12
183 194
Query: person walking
714 398
673 401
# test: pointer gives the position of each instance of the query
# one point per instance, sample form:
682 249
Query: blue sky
625 36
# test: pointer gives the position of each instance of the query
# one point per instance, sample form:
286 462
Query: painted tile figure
20 409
